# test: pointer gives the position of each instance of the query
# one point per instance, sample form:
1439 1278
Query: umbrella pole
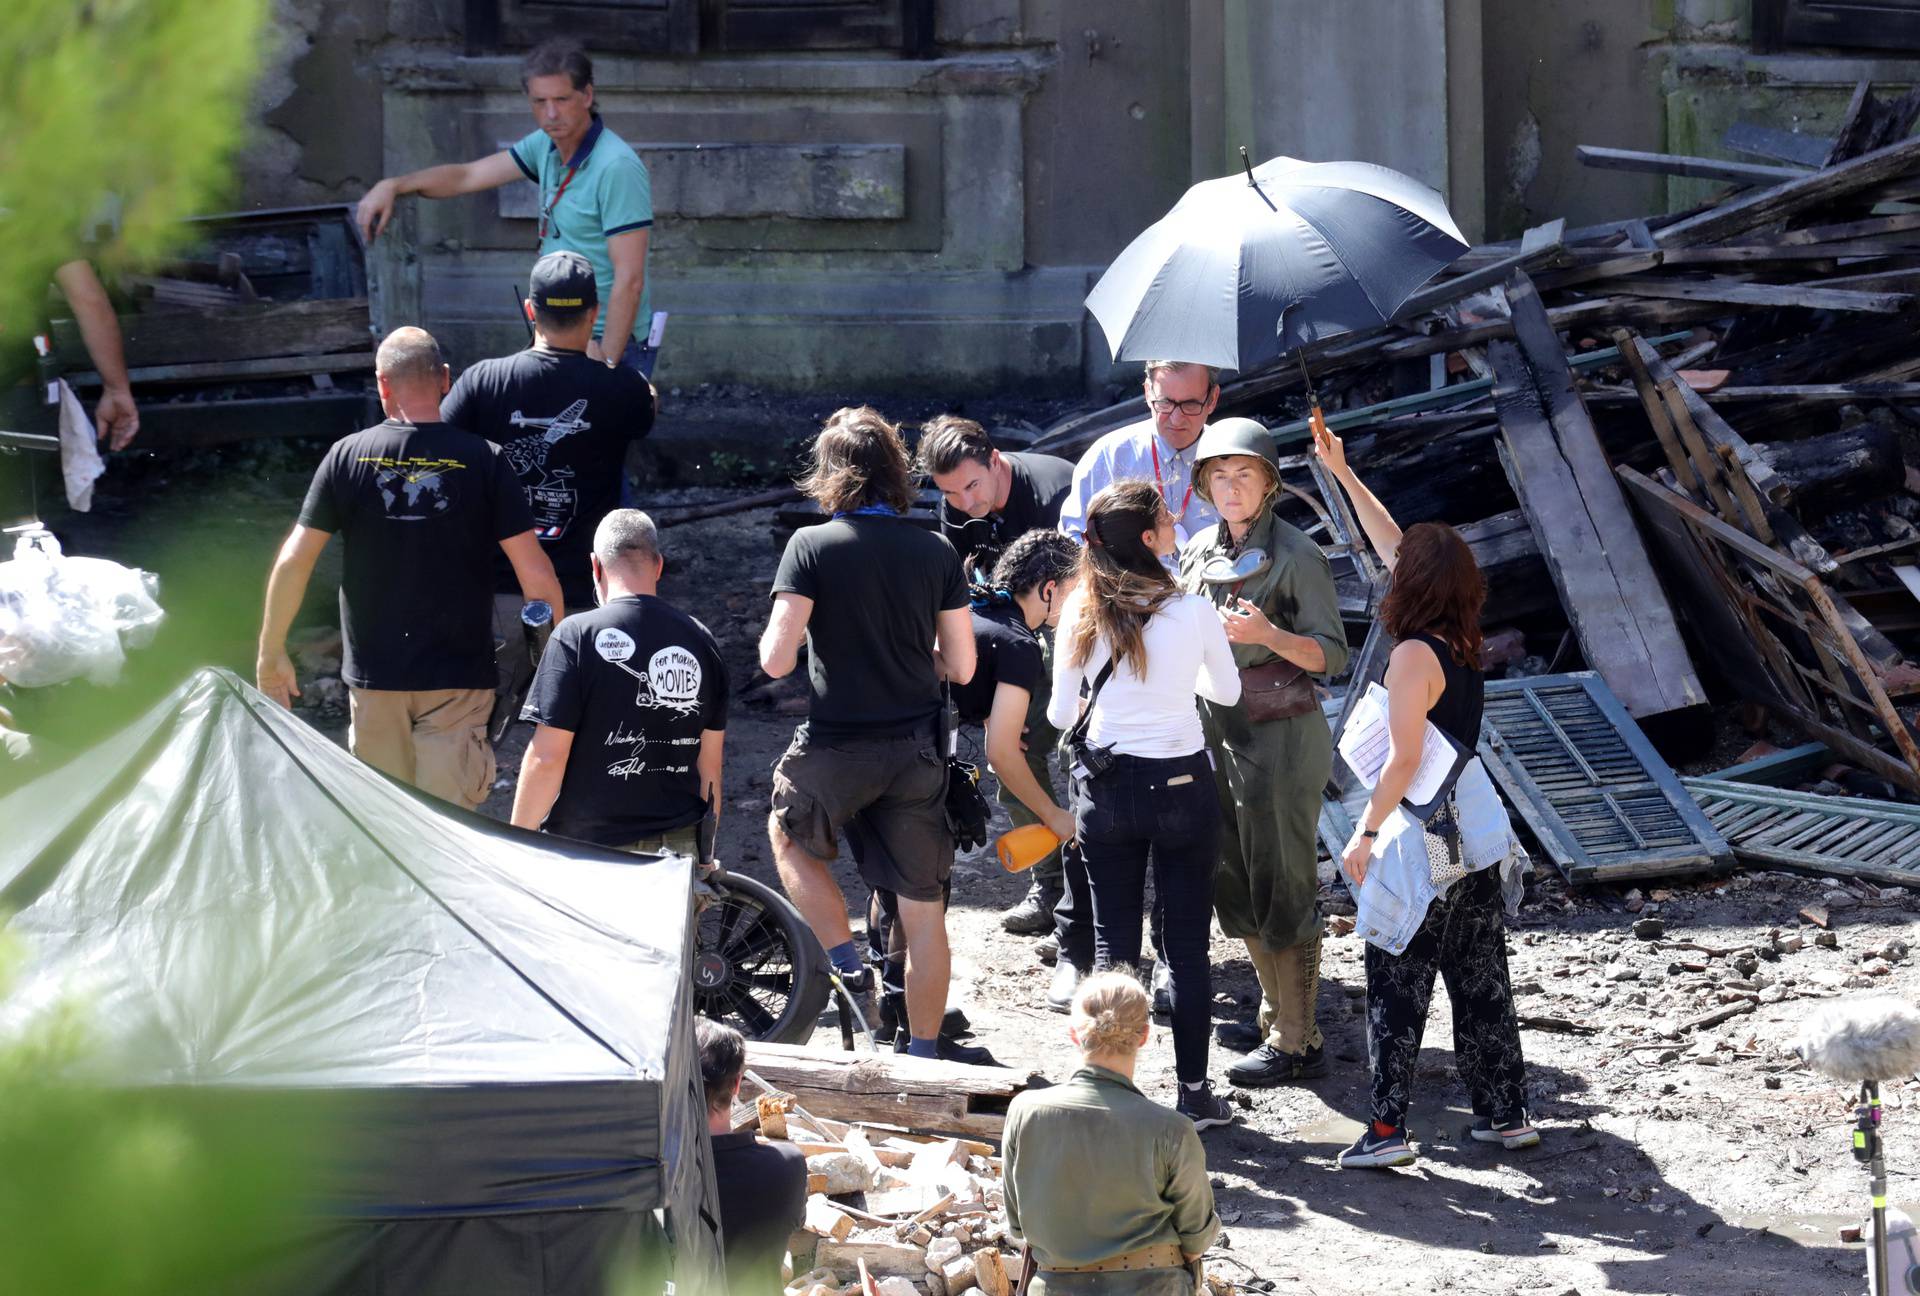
1315 417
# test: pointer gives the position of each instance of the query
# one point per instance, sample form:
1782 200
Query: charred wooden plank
1763 206
241 332
1607 584
1696 168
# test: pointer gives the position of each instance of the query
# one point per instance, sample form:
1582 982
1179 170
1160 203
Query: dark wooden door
905 25
603 26
1860 24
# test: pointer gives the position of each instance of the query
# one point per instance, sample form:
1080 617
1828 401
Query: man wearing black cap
563 422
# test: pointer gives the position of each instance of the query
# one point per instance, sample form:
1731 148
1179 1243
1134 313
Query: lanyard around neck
1159 485
573 167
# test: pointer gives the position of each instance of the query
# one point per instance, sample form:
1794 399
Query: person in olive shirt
988 498
1268 773
564 423
631 708
1107 1187
762 1185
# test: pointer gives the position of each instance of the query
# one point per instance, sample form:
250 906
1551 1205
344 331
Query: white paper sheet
1364 745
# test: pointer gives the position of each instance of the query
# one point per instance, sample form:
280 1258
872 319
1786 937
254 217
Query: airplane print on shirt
550 493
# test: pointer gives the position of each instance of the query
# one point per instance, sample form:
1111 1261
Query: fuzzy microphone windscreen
1864 1039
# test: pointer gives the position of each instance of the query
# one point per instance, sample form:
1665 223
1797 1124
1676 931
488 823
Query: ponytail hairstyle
1110 1013
1122 581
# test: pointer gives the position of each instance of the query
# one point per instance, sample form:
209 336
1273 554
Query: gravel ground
1707 1162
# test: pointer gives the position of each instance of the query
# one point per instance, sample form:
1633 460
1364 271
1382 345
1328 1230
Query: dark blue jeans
1165 813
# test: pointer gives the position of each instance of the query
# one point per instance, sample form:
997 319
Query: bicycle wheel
756 964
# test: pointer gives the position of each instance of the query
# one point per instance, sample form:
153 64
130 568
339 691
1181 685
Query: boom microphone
1864 1039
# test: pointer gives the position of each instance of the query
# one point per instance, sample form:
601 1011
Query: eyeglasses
1191 408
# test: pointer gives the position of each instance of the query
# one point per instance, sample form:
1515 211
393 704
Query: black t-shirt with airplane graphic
563 421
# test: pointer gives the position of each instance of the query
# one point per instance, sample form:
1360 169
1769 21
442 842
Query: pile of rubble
1679 445
891 1211
1686 451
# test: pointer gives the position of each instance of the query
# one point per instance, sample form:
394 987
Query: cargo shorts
898 787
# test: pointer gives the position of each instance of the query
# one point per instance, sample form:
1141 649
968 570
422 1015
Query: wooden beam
1736 293
249 332
1778 767
1780 145
1696 168
214 371
891 1089
1828 628
1613 599
1764 206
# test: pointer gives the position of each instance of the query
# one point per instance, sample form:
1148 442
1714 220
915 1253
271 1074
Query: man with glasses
1181 395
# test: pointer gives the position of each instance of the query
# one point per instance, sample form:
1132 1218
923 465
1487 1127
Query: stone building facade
901 194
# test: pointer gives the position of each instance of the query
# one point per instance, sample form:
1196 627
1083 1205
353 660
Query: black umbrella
1249 266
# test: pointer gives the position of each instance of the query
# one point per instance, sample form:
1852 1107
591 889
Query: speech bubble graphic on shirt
674 674
672 681
613 645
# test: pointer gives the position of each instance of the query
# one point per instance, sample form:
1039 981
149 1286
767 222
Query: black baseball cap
563 281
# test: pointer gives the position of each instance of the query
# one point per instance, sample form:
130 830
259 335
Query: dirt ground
1707 1162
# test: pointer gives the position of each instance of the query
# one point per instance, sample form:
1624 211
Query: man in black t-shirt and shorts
564 423
989 498
423 508
882 608
631 706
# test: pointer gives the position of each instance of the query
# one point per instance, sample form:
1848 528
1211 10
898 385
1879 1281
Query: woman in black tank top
1457 713
1433 611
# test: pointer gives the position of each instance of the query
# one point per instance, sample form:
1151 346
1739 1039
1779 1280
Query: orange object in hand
1023 847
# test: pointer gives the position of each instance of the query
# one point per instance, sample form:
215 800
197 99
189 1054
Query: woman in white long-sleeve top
1141 785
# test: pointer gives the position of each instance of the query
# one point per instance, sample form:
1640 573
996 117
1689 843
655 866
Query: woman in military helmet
1272 749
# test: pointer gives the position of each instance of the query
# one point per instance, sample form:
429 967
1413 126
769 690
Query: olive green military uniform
1094 1170
1270 777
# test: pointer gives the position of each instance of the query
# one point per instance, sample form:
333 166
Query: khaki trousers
1289 987
435 740
681 841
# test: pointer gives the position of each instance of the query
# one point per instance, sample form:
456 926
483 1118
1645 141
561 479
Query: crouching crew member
1011 611
989 498
1272 750
762 1185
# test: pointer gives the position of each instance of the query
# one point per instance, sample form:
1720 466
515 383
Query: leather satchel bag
1278 690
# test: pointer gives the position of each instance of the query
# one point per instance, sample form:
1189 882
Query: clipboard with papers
1365 742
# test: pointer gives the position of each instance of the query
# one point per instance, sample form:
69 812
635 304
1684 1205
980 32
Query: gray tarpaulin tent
241 905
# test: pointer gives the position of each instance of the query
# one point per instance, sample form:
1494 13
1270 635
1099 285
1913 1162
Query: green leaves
117 119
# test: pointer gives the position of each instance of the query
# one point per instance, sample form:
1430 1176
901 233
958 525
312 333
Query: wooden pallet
1806 832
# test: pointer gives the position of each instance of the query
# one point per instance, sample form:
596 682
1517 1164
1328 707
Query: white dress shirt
1126 453
1187 657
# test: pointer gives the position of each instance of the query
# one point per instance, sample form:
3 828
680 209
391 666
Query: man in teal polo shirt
595 195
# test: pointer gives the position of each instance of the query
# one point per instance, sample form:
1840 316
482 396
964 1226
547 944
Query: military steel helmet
1233 436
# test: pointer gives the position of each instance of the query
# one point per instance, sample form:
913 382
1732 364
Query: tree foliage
128 104
107 1192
